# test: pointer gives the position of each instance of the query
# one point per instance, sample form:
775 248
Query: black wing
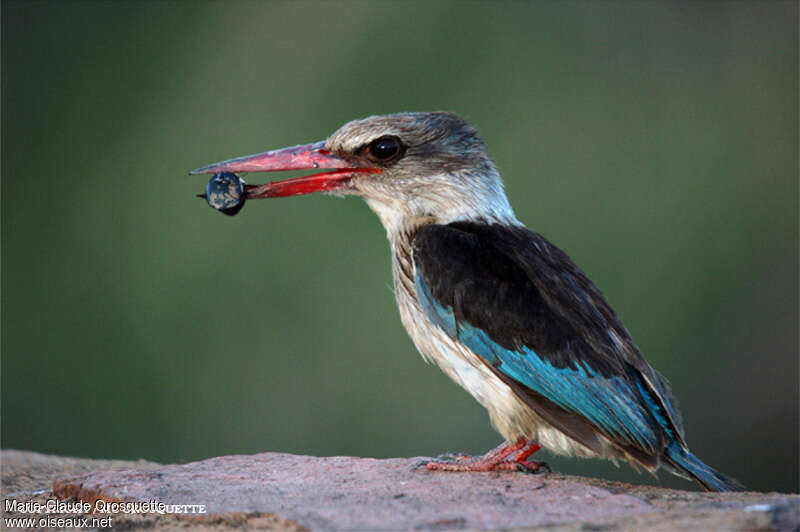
536 319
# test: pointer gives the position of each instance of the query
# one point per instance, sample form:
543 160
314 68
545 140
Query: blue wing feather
607 402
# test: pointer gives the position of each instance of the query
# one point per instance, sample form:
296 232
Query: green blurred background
657 143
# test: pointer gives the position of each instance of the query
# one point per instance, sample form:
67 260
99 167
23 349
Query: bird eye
384 148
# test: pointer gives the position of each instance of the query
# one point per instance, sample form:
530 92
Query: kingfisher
502 311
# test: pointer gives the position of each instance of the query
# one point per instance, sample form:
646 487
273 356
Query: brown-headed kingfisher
502 311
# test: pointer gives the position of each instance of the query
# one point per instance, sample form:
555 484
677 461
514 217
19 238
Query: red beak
304 157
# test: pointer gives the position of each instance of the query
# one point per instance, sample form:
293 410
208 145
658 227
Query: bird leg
505 457
530 466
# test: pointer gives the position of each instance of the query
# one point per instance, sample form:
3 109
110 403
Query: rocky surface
288 492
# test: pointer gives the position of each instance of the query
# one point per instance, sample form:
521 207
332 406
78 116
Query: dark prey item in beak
225 192
303 157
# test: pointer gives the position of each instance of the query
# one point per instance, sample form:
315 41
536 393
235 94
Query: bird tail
685 463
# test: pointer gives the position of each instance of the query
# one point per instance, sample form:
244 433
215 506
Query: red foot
506 457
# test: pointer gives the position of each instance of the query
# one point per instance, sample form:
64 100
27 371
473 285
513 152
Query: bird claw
533 468
445 457
452 457
421 463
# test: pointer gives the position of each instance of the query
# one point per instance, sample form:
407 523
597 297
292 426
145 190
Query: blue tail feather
684 461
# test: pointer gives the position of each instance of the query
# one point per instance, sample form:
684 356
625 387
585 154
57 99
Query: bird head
407 166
